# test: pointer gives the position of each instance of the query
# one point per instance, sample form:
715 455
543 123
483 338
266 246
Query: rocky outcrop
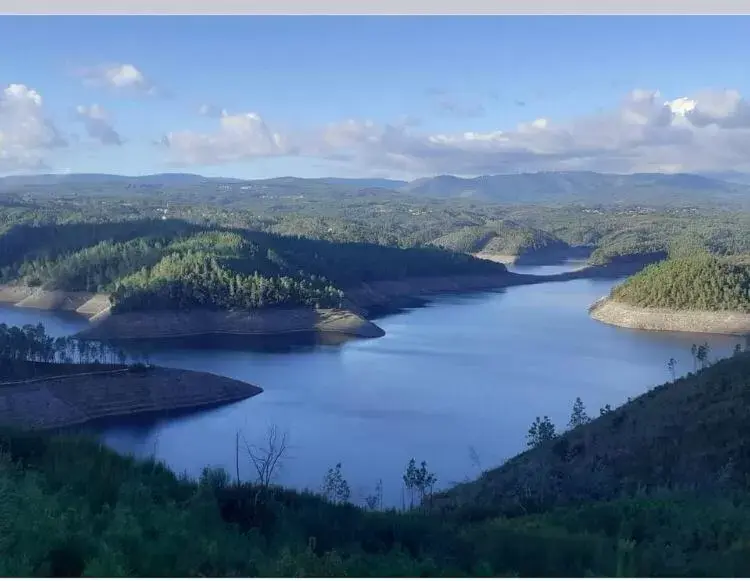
620 314
57 402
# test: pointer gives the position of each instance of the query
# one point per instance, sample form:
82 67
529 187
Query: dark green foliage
95 268
174 265
71 507
338 213
578 416
699 282
691 434
335 486
39 245
419 482
540 432
29 353
502 237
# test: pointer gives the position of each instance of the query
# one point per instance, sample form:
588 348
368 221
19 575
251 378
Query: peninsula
697 293
154 279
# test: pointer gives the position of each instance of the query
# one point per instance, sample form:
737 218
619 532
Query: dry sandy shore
648 319
175 324
71 400
166 324
83 303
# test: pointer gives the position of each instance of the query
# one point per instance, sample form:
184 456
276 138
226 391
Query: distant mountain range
730 188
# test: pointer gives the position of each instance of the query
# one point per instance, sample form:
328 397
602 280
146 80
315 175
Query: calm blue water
462 373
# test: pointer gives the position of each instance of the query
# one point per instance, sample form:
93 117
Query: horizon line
699 174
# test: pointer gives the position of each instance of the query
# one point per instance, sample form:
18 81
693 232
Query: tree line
31 343
151 264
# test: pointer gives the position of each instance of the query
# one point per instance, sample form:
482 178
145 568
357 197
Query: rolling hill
585 187
528 188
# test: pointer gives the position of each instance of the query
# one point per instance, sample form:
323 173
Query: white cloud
239 137
644 132
25 132
126 78
681 106
98 125
725 109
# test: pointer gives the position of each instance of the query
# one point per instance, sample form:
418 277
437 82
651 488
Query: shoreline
49 403
618 314
157 325
366 301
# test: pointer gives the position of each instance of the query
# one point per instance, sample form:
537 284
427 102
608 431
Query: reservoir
456 384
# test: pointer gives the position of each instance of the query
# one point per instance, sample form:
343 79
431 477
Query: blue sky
401 96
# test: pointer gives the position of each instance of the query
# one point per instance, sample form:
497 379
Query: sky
400 97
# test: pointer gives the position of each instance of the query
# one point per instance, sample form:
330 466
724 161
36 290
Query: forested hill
526 188
385 217
586 187
689 434
158 264
655 488
503 238
697 282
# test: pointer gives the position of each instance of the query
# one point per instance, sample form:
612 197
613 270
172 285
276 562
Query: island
694 293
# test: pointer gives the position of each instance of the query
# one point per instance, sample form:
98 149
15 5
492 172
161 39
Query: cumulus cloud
725 109
26 134
126 78
97 124
644 132
238 137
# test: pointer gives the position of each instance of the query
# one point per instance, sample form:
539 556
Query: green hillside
655 488
691 435
499 237
697 282
172 263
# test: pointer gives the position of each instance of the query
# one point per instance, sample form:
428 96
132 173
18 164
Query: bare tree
474 458
375 501
671 366
694 353
268 460
702 354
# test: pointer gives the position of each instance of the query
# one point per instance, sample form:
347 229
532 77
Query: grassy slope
70 506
